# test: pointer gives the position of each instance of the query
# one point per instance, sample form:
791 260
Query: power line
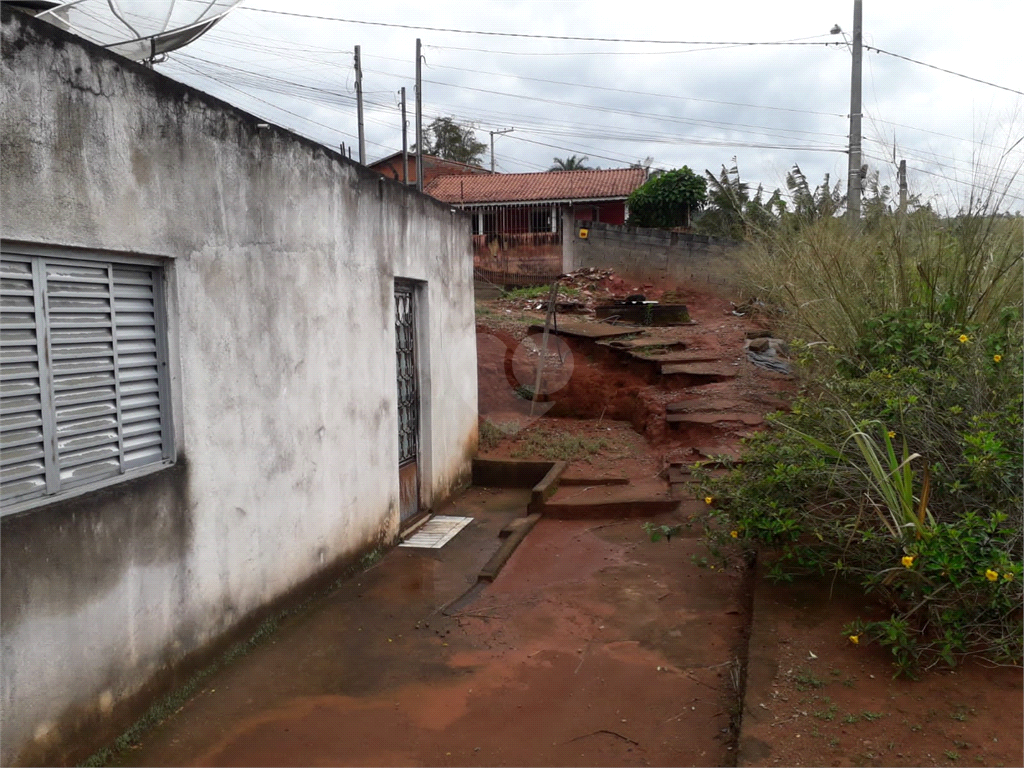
532 37
626 90
940 69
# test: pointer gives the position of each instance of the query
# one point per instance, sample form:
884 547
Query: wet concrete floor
592 647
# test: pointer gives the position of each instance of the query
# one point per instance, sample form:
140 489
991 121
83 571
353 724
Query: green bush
906 479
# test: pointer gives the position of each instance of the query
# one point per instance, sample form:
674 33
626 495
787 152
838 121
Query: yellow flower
891 434
736 535
1008 576
854 639
997 358
908 560
991 575
963 338
708 499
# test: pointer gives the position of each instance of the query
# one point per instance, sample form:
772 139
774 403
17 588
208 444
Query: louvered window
83 375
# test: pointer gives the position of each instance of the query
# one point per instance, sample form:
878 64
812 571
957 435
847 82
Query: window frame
38 256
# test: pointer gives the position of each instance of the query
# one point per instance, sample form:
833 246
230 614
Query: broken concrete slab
699 369
519 528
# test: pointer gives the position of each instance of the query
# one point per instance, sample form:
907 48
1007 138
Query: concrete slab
586 330
717 371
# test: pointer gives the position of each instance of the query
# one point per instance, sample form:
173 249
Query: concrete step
643 499
750 419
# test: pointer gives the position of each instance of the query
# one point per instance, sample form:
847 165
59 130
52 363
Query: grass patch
540 292
555 446
805 680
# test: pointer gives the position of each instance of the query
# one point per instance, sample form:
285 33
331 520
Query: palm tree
573 163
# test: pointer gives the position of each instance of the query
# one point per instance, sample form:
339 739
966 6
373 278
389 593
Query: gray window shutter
83 387
24 402
139 366
79 307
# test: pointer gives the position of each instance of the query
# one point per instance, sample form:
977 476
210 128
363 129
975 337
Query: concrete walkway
592 647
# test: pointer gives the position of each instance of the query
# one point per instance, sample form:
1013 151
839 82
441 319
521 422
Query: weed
850 719
833 742
961 712
915 728
805 680
871 716
827 714
951 754
491 434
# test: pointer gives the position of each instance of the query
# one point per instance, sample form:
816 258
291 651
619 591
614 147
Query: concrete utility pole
419 117
853 188
903 186
359 107
507 130
405 142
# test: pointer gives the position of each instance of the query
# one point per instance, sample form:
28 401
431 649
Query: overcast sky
769 106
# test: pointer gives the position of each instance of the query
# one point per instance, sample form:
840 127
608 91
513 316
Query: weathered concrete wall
280 265
654 255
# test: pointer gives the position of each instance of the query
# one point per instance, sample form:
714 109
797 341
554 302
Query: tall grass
831 280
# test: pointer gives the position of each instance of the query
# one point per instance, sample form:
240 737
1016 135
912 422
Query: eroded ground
593 646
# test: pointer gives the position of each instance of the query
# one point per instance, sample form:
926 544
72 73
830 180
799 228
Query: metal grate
408 392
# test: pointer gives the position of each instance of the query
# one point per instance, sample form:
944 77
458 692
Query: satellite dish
140 30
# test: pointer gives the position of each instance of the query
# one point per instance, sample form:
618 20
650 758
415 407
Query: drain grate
437 532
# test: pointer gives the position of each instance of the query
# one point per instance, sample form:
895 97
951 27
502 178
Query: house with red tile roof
519 218
393 167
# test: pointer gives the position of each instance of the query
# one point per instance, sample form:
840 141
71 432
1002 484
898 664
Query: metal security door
408 402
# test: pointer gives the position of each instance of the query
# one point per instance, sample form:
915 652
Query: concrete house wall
280 259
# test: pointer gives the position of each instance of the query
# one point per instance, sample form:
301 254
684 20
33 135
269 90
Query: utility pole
405 143
903 186
854 188
419 117
507 130
359 107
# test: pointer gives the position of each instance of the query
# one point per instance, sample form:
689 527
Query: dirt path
593 647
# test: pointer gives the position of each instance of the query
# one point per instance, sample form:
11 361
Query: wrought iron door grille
408 395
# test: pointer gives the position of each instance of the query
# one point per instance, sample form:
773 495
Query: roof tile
535 187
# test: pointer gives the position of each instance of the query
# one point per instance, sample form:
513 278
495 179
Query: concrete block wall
654 255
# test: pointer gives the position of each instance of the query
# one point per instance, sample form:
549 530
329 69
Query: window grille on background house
83 382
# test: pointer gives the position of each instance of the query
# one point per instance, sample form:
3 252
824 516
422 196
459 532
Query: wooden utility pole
419 116
853 192
359 107
405 142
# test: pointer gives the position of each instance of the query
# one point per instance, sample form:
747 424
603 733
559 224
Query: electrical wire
797 41
941 69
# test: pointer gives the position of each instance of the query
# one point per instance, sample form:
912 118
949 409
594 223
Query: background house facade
393 167
215 327
520 219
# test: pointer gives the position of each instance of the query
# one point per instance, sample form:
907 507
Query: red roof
615 183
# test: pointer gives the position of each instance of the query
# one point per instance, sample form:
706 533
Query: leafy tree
732 213
667 200
451 141
573 163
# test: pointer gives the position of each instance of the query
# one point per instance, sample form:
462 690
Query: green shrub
906 480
